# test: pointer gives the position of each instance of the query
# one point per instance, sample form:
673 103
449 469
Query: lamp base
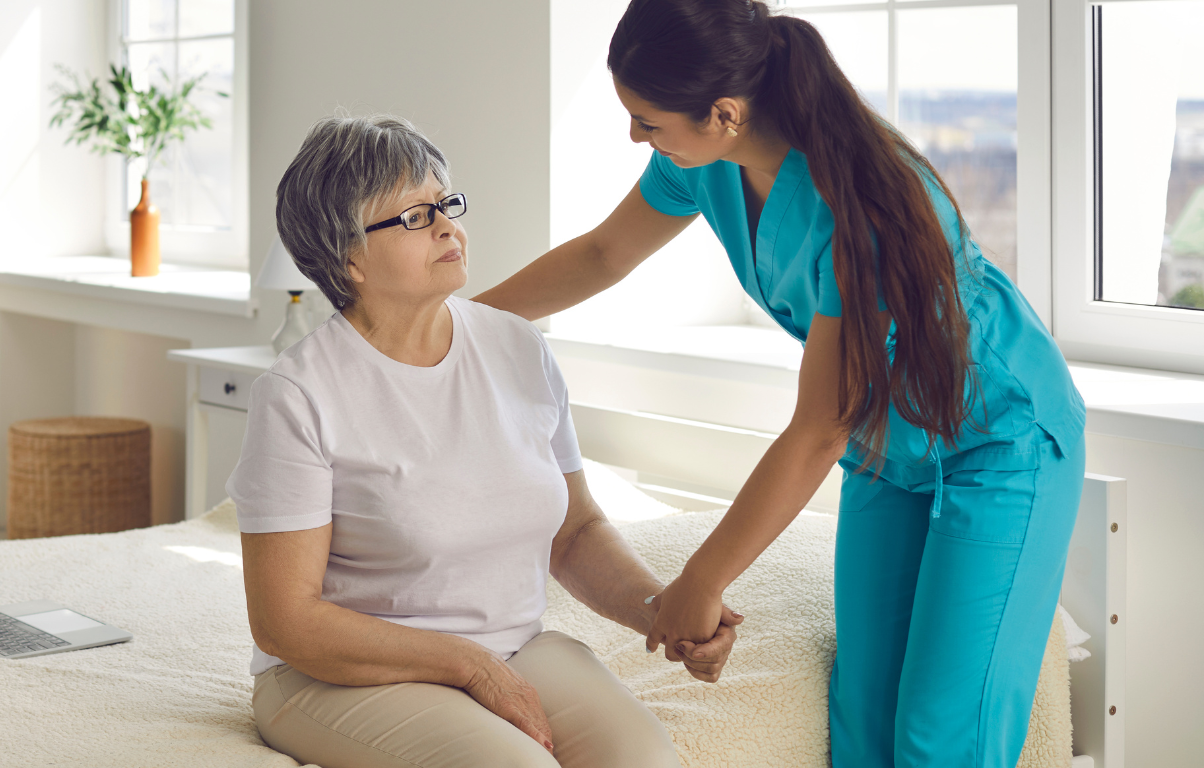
294 328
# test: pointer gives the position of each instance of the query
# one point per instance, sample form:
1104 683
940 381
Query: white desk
219 381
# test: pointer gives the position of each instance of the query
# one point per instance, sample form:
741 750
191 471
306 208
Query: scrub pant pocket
941 623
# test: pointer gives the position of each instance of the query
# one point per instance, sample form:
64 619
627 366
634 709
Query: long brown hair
683 55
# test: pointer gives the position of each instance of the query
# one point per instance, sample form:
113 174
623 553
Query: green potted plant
135 124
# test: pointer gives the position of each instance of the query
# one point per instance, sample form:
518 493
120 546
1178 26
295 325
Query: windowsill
1142 403
225 292
1133 403
740 352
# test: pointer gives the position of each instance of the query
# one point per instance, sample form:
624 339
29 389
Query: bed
179 694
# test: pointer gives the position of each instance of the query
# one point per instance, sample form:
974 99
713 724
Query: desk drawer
228 388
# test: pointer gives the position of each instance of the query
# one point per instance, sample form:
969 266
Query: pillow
771 706
1075 636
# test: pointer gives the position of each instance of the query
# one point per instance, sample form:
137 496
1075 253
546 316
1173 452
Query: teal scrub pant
941 623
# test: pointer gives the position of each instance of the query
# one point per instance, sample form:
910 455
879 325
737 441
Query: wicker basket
77 475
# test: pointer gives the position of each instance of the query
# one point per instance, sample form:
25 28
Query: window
200 184
1148 90
1129 181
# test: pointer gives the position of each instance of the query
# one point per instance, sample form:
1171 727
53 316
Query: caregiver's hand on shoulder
695 628
504 692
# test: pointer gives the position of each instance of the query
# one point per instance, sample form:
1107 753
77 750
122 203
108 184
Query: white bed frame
696 465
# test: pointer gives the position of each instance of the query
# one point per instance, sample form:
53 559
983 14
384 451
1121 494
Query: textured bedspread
770 708
179 694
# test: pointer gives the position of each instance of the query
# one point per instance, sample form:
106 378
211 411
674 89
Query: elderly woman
409 478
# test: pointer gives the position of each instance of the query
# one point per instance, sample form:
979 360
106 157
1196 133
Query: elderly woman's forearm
602 571
345 647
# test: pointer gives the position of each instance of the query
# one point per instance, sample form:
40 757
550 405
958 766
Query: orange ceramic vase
144 236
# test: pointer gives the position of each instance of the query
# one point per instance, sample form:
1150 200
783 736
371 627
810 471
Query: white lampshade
280 273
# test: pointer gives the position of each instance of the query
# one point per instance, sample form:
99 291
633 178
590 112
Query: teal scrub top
1025 394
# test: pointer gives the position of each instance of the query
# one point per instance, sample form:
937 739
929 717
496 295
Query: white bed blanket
771 706
179 693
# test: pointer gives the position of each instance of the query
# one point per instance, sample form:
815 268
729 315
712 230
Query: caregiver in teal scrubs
926 375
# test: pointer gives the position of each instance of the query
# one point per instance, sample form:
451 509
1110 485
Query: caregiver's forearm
564 276
777 490
345 647
602 571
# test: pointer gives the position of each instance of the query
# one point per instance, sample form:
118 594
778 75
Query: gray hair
347 167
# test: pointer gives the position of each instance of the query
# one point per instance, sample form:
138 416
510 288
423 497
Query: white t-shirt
444 484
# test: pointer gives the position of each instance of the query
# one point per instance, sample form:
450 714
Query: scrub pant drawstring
940 482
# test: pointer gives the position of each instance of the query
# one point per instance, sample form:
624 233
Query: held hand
684 613
505 693
705 662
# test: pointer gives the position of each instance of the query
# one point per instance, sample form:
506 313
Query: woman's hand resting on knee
505 693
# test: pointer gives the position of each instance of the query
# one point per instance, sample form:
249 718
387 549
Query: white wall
49 193
473 75
128 375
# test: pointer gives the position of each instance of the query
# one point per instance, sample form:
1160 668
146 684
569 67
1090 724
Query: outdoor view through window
1149 174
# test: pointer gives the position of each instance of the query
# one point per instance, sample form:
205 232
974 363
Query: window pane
192 184
957 103
150 19
204 162
152 63
1152 170
206 17
858 41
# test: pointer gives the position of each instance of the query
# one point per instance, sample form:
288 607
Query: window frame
225 249
1086 329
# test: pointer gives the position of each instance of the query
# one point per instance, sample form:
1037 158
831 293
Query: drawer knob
230 388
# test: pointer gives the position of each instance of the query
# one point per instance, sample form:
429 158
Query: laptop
40 627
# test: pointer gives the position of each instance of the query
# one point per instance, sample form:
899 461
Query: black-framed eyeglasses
422 216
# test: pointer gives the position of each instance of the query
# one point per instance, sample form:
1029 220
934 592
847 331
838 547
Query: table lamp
279 273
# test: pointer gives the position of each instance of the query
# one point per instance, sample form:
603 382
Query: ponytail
871 178
683 55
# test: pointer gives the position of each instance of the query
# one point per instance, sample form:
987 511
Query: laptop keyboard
18 637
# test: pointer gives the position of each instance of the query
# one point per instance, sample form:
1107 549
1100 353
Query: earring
732 132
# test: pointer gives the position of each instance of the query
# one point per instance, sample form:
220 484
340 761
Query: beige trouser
596 722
